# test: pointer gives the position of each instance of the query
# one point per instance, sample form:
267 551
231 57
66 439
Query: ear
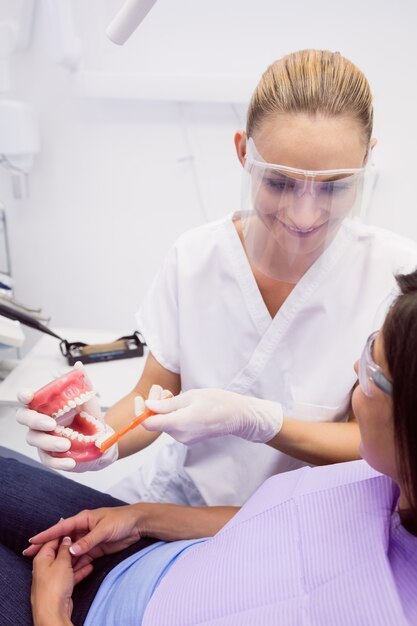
372 144
240 145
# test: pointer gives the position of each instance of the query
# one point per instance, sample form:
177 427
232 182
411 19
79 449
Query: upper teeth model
64 399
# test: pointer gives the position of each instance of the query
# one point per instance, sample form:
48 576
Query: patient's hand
53 582
95 533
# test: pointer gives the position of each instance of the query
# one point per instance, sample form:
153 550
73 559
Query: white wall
118 179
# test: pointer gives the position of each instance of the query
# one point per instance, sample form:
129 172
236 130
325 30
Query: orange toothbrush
110 441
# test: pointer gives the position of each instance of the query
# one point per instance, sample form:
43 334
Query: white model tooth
80 437
88 417
72 404
88 395
67 432
59 429
74 435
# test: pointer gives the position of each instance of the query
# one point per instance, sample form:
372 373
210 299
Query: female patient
331 545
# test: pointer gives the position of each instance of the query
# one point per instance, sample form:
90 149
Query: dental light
126 21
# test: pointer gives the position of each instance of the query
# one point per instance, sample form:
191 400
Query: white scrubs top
205 319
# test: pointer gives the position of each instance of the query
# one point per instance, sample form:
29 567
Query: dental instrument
110 441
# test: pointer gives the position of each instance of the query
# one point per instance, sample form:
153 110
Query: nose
305 211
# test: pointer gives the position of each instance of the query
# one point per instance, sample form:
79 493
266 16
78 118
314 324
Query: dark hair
400 348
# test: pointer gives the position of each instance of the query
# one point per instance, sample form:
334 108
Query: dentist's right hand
41 436
40 426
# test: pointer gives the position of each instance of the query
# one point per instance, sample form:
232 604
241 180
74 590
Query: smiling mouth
302 232
64 400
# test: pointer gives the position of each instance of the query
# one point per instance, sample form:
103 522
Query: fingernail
67 541
24 552
62 446
30 540
75 549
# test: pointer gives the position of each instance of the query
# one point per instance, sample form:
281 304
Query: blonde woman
273 301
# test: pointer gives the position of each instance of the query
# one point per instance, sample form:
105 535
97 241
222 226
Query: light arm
121 413
318 443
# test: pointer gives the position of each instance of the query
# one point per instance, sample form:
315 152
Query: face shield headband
290 216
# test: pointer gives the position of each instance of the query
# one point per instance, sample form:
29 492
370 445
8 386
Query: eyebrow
332 179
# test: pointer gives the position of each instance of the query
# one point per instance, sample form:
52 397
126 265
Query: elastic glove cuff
263 420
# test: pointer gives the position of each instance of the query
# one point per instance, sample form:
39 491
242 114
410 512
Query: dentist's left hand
200 414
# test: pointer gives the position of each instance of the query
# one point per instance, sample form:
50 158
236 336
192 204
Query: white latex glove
204 413
39 425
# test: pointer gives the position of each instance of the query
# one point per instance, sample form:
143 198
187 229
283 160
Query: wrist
147 516
47 616
264 420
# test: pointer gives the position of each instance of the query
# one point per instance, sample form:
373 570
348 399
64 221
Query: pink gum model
63 399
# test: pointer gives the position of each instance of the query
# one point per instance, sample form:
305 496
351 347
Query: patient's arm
170 522
108 530
122 412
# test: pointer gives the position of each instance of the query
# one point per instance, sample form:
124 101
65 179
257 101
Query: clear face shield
290 216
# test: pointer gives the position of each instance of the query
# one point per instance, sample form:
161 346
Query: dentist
273 302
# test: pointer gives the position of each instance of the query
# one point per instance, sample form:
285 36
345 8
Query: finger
31 551
47 552
67 464
64 555
51 443
70 526
89 541
25 396
166 405
155 392
139 405
82 573
82 561
35 420
78 365
157 424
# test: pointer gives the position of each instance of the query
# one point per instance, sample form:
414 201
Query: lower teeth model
63 399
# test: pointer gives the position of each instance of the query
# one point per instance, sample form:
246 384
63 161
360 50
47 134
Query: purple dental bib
310 547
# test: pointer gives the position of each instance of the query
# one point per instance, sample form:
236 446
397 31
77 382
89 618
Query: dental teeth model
64 399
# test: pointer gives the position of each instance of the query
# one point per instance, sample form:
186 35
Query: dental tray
124 348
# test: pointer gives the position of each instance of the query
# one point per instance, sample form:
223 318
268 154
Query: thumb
166 405
156 423
25 396
63 554
89 541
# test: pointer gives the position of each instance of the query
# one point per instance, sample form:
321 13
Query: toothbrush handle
110 441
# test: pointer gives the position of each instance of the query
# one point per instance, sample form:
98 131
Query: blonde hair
312 82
